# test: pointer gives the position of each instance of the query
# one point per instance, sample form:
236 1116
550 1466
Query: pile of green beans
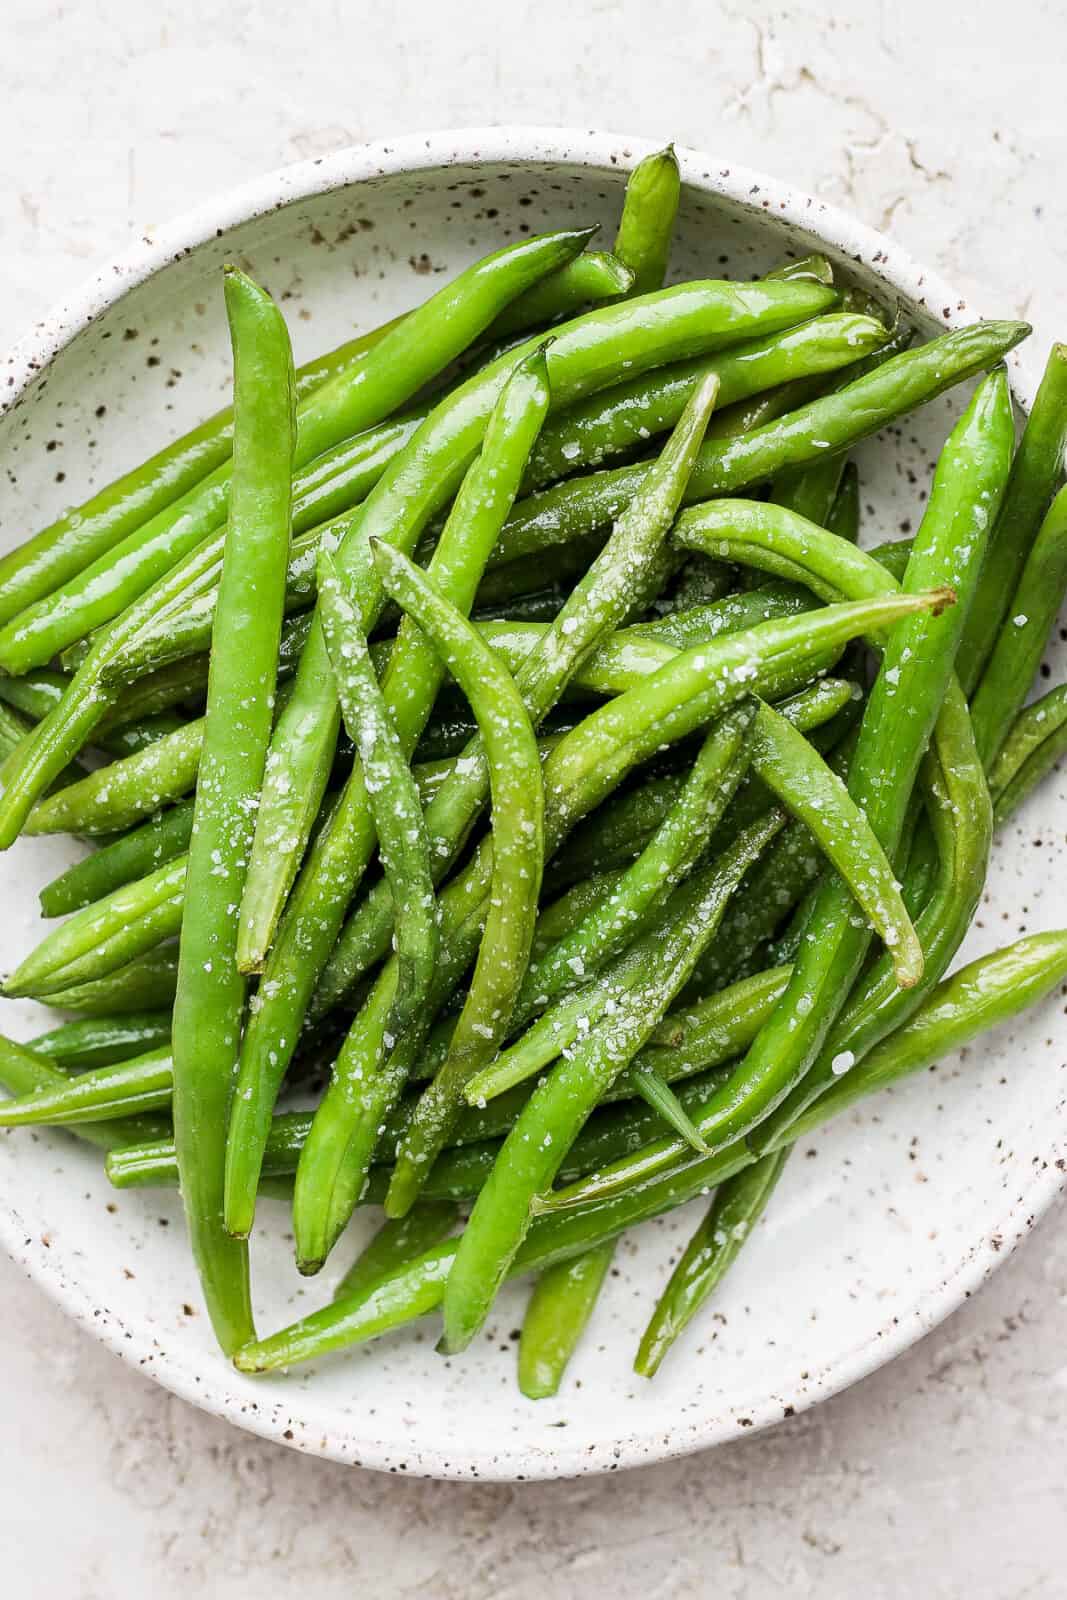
687 877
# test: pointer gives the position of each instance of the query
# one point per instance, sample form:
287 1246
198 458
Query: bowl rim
219 1390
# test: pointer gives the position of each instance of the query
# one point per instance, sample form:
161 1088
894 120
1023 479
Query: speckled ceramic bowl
882 1225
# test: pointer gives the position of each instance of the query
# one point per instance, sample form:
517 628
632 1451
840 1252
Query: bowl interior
880 1224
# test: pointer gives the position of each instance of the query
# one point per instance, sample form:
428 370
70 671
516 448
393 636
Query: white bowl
883 1224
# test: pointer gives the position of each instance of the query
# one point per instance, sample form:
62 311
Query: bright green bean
556 1317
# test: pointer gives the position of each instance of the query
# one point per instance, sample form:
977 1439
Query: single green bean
392 795
556 1317
518 855
134 855
210 998
103 1041
736 1208
145 983
144 1084
649 207
24 1071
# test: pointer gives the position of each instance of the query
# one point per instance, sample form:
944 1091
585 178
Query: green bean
1016 655
829 424
1036 474
134 855
410 682
649 206
104 936
67 728
844 518
595 607
518 854
989 991
815 795
689 690
144 1083
534 1150
736 1208
145 983
624 417
779 882
122 794
592 276
103 1041
392 796
24 1071
210 997
398 1241
414 350
585 355
898 719
661 1098
556 1317
1035 742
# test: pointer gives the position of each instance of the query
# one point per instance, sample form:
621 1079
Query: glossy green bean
210 998
103 1041
104 936
144 1084
585 355
533 1152
816 796
24 1071
649 207
1016 655
623 418
614 920
735 1209
134 855
413 350
684 1046
398 1241
145 983
556 1317
593 276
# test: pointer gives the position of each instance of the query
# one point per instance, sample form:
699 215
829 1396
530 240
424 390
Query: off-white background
945 1473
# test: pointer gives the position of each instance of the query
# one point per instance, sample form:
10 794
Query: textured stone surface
944 1470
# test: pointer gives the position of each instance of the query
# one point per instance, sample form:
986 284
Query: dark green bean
103 1041
134 855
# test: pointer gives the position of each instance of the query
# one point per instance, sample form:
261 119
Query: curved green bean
134 855
649 207
103 1041
1036 741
